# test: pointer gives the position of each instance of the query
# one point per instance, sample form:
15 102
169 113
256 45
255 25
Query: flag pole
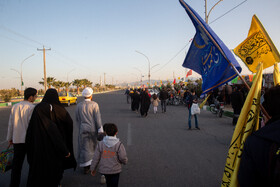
248 87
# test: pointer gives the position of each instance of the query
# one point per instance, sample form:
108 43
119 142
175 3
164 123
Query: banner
276 76
208 55
248 122
257 47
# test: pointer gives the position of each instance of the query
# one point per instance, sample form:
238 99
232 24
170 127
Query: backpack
274 165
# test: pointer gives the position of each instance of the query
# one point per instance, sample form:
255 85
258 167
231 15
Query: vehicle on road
217 107
67 98
153 91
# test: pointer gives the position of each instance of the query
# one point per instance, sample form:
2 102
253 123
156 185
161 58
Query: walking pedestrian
237 102
127 95
135 101
17 126
88 118
228 92
49 142
155 101
163 96
109 155
192 99
145 103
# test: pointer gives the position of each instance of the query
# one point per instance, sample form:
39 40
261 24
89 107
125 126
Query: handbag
6 159
195 109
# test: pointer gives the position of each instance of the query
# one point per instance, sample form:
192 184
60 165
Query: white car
153 91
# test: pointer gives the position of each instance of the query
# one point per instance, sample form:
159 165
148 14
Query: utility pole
45 76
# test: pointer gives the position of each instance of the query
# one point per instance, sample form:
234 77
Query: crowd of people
143 99
45 134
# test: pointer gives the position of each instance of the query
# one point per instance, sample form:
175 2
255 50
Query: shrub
7 95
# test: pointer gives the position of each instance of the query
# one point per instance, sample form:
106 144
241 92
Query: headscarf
51 97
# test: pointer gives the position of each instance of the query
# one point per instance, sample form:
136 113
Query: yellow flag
203 102
247 123
257 47
276 76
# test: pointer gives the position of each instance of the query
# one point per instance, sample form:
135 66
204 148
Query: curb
226 112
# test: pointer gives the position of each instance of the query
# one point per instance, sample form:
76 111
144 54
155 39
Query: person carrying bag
6 159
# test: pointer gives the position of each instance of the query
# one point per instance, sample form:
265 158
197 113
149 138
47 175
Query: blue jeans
190 119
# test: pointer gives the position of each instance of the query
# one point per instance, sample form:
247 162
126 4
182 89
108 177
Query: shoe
189 128
102 179
197 128
86 169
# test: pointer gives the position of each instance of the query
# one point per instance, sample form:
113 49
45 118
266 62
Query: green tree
86 82
67 85
58 85
6 95
50 82
78 83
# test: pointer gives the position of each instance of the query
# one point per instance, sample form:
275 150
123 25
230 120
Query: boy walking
109 154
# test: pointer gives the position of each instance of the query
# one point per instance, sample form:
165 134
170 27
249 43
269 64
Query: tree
86 82
67 85
78 83
6 95
58 85
50 81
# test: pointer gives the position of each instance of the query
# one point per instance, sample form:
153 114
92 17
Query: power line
18 34
227 12
174 56
20 42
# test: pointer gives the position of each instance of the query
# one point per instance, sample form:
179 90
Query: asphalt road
161 151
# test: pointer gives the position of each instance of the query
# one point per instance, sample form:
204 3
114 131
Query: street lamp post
207 14
149 72
21 79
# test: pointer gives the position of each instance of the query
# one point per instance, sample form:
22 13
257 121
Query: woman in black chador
49 142
145 103
135 101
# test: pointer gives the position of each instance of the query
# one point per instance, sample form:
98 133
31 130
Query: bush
7 95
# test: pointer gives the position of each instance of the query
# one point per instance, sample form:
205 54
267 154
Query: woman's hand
68 155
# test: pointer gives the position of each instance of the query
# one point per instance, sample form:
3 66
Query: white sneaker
103 179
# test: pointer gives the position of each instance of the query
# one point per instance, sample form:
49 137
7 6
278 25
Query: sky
90 38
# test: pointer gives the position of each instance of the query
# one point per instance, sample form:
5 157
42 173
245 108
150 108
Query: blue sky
89 38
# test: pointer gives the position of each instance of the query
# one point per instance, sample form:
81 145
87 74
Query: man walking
18 123
163 96
88 118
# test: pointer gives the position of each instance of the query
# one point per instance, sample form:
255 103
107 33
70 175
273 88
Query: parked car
67 98
153 91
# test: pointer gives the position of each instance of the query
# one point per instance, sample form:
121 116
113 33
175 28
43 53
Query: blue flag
208 55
